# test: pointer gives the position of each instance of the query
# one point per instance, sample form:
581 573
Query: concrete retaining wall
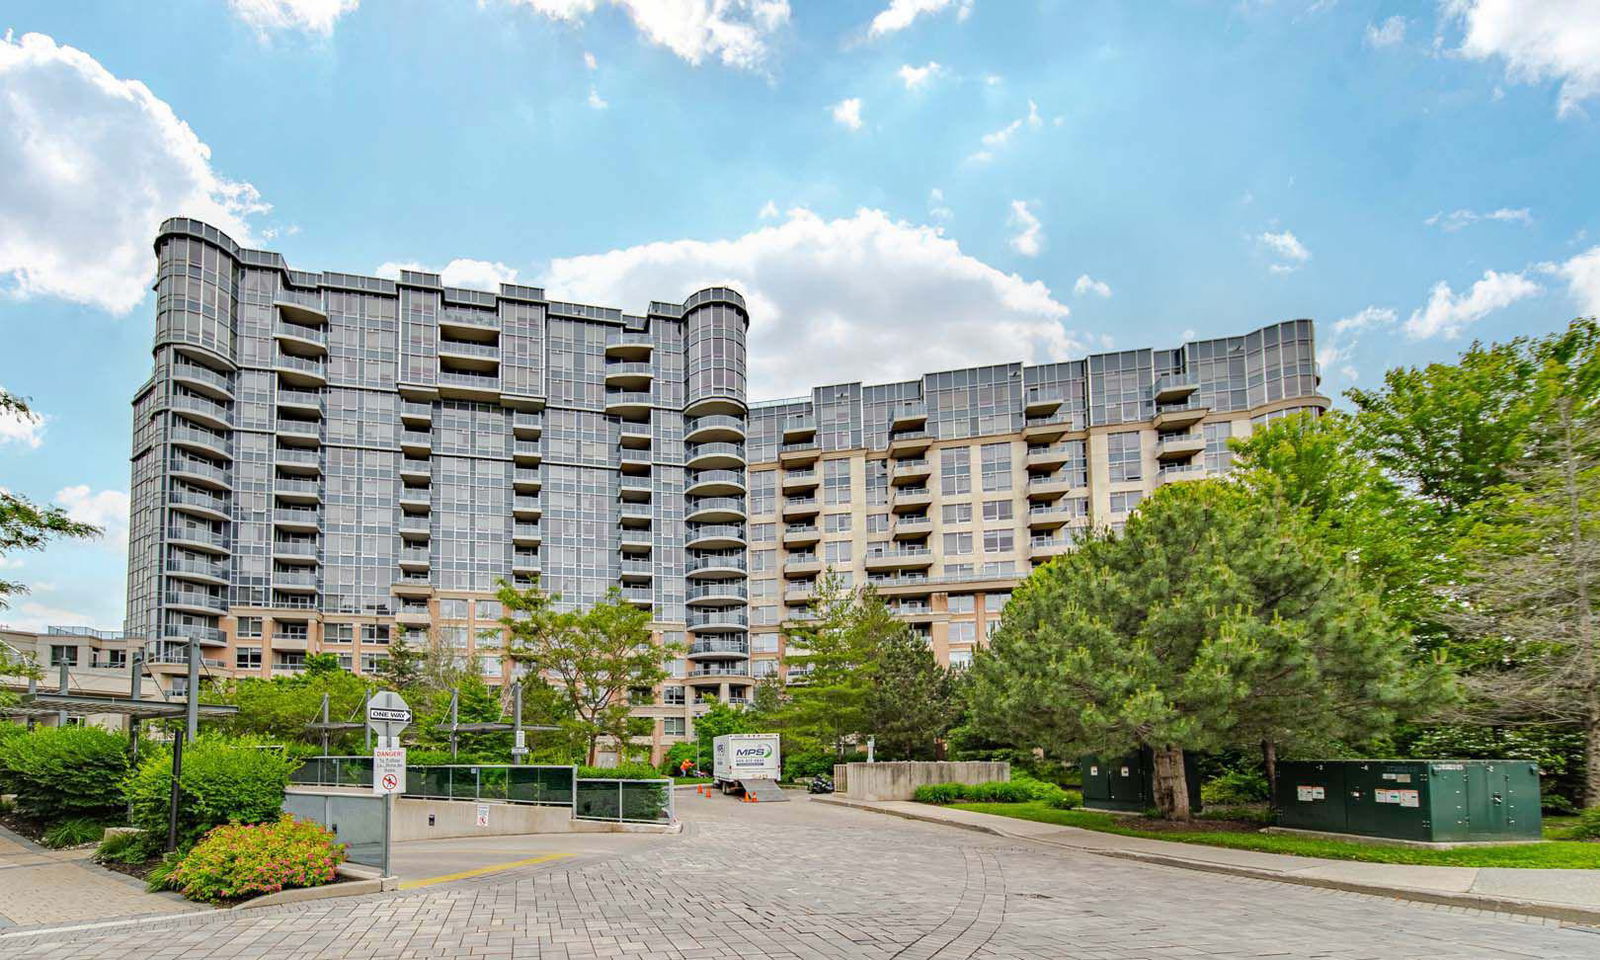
459 818
898 781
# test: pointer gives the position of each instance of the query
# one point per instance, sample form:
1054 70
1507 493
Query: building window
836 551
1125 501
958 571
763 560
764 643
1002 568
247 658
672 726
877 523
672 696
249 628
1126 456
997 510
487 609
999 541
764 668
957 544
957 513
374 633
763 491
455 637
339 633
836 481
764 532
960 659
1219 459
373 662
963 631
955 471
836 523
63 653
452 609
962 603
997 466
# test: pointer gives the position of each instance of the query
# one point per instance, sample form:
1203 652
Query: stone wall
898 781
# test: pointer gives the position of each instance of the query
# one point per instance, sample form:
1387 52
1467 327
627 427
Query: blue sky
953 181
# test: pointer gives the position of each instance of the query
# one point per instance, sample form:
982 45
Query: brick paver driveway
800 880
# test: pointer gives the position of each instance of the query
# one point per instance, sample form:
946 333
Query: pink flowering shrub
246 860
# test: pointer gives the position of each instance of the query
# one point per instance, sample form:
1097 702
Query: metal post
367 732
172 800
62 688
324 724
516 722
388 812
192 708
455 710
133 697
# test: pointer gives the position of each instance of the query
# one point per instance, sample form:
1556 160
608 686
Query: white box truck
748 763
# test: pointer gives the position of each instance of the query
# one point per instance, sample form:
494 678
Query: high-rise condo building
325 462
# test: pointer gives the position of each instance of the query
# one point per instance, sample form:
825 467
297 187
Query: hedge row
999 791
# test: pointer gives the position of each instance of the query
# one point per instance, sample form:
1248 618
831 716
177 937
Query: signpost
389 770
387 716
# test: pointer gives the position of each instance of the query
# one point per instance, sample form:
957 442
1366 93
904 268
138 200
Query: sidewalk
1570 895
40 886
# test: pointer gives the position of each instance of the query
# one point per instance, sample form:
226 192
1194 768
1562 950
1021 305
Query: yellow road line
467 874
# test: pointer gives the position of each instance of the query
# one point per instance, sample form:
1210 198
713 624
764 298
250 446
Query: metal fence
633 801
359 822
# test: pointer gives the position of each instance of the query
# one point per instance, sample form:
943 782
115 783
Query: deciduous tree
25 525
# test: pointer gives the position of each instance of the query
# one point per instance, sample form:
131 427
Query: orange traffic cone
754 798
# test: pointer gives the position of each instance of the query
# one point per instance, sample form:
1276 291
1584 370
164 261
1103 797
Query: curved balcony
629 374
203 442
295 551
718 593
200 571
715 456
204 411
716 567
716 536
717 427
301 401
295 581
196 538
718 673
708 406
301 371
200 504
716 649
715 483
301 313
628 404
716 510
631 347
197 471
187 601
204 379
722 621
313 340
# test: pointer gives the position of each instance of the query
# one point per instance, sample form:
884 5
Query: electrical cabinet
1432 801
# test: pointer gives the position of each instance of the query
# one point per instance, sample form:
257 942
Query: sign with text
387 716
389 770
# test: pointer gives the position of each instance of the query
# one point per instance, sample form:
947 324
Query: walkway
795 880
1572 894
47 887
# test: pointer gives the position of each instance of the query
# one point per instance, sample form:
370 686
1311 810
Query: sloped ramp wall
898 781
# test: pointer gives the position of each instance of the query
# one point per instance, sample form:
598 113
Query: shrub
803 766
1235 787
245 860
939 793
63 773
224 780
1069 800
74 833
1000 791
125 847
622 771
1588 827
676 754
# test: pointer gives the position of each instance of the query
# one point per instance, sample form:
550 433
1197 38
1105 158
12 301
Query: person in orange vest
685 767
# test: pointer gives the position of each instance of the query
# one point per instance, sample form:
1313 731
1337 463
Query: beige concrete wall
459 818
898 781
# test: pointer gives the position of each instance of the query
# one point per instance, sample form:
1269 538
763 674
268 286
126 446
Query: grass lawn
690 781
1563 854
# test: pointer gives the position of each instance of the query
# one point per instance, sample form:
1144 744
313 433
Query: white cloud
589 61
92 165
1446 314
308 16
595 100
899 14
737 32
1460 219
915 77
1029 237
1389 33
1538 39
1002 137
106 509
1368 318
36 617
1087 284
1582 274
460 272
1286 248
1338 344
847 113
864 297
769 211
23 430
936 205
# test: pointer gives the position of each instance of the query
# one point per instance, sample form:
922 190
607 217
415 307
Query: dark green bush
676 754
803 766
124 847
62 773
223 780
74 833
1588 827
939 793
1235 787
632 770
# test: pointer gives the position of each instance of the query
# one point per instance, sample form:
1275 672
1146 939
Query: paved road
802 880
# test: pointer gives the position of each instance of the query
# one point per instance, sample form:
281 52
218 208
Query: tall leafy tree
594 657
1214 620
721 719
25 525
913 701
837 650
1529 601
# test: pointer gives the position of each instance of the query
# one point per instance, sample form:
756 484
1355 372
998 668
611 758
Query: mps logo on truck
760 751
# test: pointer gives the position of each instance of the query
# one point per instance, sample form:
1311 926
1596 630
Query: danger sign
388 770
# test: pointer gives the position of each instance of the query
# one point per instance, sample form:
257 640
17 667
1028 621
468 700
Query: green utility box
1428 801
1127 785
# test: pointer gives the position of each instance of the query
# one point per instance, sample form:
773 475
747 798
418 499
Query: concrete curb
1583 916
360 881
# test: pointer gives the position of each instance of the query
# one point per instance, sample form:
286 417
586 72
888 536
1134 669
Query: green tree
913 702
1214 620
594 657
1529 599
836 649
285 707
24 525
721 719
402 670
1450 431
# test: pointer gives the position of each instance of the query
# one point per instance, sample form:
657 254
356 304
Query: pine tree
913 703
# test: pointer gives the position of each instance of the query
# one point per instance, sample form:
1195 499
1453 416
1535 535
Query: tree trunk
1172 787
1588 652
1591 762
1269 761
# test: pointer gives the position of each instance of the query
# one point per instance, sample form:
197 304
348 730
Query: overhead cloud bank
308 16
92 165
1539 40
1448 313
460 272
864 297
737 32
